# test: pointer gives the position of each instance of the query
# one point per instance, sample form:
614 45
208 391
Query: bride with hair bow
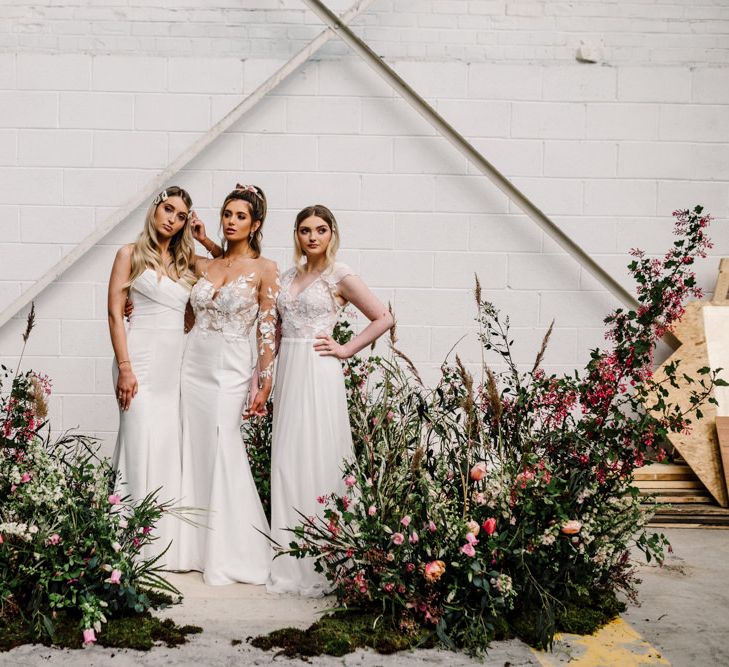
233 292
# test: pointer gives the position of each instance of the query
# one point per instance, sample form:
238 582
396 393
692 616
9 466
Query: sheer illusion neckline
217 290
301 291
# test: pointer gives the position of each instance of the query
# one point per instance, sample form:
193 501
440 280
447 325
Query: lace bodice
315 309
235 307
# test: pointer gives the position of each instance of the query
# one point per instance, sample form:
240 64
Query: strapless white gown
232 545
148 448
311 431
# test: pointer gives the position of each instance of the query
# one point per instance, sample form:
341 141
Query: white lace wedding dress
311 432
147 455
216 477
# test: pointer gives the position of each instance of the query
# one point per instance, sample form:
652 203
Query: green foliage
256 433
342 632
481 507
138 631
70 547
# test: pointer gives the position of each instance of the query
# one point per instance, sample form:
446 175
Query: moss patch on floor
136 631
345 631
340 633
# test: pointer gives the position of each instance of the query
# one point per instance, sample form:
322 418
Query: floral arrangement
69 546
504 505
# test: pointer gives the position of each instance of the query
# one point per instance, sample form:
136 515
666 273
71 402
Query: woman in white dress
233 292
155 274
311 431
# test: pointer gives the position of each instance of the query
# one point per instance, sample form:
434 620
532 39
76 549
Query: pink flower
350 481
89 636
471 538
372 510
478 472
321 499
473 527
431 526
115 577
468 550
146 530
389 587
480 498
390 414
414 539
390 557
405 521
25 478
114 499
410 567
54 539
1 538
398 538
489 526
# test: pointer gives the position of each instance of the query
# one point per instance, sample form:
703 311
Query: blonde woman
311 432
155 274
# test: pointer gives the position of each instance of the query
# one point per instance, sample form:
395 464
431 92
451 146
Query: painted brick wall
608 150
648 31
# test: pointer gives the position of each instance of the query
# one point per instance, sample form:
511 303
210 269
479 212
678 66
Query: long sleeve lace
267 317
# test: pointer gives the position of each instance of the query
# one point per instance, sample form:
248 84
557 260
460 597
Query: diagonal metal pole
464 147
156 184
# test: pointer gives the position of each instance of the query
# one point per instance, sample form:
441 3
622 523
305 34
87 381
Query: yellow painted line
615 645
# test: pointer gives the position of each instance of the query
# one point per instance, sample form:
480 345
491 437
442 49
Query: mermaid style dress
216 374
311 431
147 456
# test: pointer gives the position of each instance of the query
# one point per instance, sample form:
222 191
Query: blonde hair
255 197
320 211
146 253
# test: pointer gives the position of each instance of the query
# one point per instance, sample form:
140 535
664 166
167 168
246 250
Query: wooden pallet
676 484
692 514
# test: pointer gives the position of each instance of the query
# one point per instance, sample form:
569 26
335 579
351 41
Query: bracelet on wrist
123 361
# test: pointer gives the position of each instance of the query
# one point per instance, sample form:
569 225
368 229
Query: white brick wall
677 32
96 98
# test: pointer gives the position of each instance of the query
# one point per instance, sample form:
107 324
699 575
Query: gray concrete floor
684 615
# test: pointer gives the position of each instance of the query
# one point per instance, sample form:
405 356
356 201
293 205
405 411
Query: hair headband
248 188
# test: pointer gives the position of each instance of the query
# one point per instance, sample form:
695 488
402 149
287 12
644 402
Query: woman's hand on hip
326 346
126 387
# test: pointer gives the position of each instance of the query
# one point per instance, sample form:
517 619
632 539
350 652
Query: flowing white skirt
216 477
311 437
147 455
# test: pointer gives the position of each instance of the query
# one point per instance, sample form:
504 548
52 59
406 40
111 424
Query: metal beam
158 182
464 147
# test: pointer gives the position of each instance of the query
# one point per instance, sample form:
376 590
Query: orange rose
478 472
571 527
434 570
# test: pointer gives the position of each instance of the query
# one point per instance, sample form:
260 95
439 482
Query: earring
251 236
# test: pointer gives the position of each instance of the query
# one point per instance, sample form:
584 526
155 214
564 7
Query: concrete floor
683 620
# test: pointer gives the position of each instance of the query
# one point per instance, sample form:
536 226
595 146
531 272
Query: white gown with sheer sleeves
148 448
311 431
231 544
